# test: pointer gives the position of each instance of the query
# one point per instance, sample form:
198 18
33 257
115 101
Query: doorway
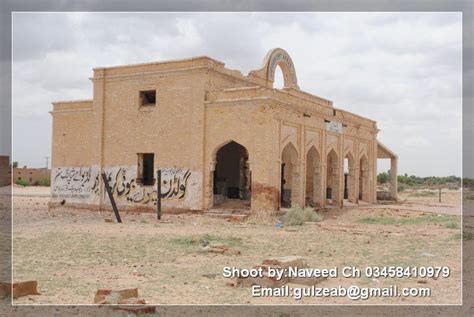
231 183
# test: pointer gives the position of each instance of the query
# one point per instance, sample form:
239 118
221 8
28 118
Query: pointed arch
231 175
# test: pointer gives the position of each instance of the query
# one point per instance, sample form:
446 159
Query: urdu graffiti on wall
124 185
82 182
77 181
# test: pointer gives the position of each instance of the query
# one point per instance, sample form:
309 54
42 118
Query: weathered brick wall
5 172
33 176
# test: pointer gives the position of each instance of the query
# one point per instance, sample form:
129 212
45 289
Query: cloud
401 69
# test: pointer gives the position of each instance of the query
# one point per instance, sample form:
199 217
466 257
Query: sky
403 70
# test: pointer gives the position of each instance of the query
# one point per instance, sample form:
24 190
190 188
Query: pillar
318 181
352 184
393 178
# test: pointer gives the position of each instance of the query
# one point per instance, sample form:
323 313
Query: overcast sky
403 70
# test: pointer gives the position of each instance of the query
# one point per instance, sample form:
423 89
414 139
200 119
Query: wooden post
111 197
158 194
439 194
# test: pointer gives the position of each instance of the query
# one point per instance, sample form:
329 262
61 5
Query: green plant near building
21 182
296 216
44 182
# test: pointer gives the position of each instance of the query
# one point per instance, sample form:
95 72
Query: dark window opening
148 98
145 169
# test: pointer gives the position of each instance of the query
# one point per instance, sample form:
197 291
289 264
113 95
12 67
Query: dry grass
73 253
262 217
297 216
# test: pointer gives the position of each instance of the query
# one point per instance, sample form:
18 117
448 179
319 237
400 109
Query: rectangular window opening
146 162
148 98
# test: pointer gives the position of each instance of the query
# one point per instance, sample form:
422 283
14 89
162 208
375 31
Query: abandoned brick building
216 135
5 170
32 176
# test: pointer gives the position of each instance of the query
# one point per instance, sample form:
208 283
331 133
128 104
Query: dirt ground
72 253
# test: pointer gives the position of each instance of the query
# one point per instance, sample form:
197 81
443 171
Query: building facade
32 176
216 135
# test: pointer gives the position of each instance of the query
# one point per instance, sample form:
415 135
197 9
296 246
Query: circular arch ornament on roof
278 57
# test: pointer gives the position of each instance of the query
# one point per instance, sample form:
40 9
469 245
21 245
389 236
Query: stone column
318 186
340 202
351 178
324 169
302 182
393 178
357 182
208 201
296 184
338 186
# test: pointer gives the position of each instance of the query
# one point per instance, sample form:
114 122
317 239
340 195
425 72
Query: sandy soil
72 253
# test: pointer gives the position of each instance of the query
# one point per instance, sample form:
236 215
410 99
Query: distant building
5 171
33 176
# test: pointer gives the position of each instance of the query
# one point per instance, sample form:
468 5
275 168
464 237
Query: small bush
466 236
296 216
401 187
451 225
21 182
44 182
468 195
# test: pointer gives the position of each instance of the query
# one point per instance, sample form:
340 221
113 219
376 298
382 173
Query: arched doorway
364 179
313 178
289 176
349 178
332 179
232 185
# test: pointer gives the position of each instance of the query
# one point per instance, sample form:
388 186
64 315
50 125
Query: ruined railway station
216 135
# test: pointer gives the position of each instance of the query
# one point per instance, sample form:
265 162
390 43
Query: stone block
18 289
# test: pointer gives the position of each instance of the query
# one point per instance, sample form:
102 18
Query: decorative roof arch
278 57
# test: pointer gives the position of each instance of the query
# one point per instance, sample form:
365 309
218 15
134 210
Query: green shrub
401 187
44 182
296 216
451 225
21 182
